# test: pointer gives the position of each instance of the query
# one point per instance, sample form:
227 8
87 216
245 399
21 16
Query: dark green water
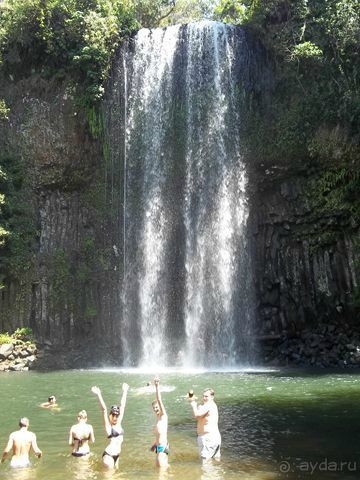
307 423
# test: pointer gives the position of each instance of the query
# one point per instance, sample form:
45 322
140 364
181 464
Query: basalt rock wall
66 288
306 266
306 262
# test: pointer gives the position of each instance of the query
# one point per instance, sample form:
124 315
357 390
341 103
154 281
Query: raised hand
96 390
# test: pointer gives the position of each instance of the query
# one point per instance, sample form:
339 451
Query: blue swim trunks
162 449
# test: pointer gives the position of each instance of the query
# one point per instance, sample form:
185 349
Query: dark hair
115 409
52 397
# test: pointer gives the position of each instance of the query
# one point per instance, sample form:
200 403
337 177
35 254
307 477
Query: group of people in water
22 441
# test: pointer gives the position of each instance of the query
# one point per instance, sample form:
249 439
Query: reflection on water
21 473
212 470
81 468
267 420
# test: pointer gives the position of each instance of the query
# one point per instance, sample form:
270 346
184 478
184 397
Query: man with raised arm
161 446
21 442
207 416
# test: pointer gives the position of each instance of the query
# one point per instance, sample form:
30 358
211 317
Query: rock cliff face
306 263
66 292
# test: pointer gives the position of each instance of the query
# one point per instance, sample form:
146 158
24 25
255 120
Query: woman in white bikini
113 428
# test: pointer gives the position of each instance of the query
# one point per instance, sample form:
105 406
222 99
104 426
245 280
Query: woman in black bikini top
80 435
113 428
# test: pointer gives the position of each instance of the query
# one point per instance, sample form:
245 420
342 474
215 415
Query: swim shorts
162 449
209 445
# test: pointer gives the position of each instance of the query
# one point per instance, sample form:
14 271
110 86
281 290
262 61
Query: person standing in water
161 446
80 435
113 428
207 416
21 442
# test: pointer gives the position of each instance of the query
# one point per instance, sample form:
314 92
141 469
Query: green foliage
306 50
149 13
5 338
90 311
326 32
186 11
95 121
60 274
3 234
232 11
338 186
313 116
337 190
17 228
23 333
4 110
355 300
58 37
78 38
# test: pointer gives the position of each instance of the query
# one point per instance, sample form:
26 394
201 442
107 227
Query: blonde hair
82 414
23 422
210 390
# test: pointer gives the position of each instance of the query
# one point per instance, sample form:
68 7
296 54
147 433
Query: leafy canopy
58 37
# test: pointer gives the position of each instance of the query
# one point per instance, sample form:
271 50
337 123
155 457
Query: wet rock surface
18 356
332 345
306 267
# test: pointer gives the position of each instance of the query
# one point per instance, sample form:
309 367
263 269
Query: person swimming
113 428
51 403
149 388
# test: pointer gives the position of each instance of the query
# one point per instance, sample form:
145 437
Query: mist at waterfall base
173 122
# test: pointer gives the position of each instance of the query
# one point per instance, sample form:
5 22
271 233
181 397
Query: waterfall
187 287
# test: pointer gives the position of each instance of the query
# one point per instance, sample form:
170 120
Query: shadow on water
307 372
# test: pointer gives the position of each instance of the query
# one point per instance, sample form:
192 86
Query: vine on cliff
17 226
